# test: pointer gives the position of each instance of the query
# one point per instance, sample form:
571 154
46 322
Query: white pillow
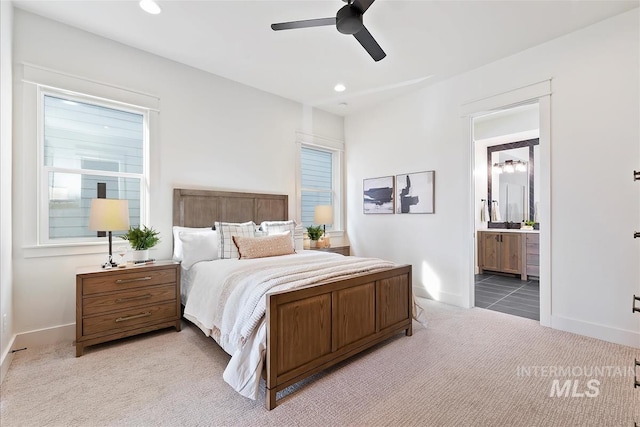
177 243
278 227
226 230
196 247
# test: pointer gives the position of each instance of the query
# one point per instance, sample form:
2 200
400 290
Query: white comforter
227 300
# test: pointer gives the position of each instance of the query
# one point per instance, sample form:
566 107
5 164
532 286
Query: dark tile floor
508 295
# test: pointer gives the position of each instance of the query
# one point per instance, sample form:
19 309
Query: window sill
66 249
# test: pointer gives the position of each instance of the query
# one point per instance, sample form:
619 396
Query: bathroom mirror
511 180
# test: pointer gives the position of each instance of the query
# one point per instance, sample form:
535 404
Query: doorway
506 196
539 93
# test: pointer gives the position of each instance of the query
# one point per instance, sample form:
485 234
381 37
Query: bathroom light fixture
150 6
510 166
339 87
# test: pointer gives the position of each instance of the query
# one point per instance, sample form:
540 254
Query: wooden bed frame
310 328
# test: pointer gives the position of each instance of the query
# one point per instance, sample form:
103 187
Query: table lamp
109 215
323 214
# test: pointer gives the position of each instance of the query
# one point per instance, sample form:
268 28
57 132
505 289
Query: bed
307 328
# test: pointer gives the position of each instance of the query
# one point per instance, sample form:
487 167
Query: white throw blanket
228 302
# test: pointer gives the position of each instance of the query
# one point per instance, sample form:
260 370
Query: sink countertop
509 230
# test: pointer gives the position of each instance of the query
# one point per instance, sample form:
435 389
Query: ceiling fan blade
362 5
303 24
369 44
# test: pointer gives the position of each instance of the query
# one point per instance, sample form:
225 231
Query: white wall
595 144
512 121
212 133
6 269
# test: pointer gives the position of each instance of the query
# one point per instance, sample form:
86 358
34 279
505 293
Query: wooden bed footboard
312 328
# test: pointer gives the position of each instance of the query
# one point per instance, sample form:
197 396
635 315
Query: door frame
540 93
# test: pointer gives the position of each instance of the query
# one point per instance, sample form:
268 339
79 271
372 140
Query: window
320 182
85 143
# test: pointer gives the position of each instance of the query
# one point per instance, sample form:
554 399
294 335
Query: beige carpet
465 368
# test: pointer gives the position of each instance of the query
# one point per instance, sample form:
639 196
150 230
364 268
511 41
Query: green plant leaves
314 232
142 238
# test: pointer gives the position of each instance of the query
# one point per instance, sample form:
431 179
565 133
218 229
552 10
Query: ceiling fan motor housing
349 20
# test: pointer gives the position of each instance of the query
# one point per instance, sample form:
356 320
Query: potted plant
141 239
314 234
528 225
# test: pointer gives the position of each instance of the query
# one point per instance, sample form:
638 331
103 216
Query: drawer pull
634 308
146 296
137 316
636 383
137 279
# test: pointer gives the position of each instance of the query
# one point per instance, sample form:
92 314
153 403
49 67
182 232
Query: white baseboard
7 357
594 330
580 327
47 336
444 297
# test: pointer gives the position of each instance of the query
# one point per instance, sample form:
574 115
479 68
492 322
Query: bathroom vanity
512 251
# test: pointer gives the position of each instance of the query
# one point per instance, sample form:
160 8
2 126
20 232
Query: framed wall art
378 195
415 192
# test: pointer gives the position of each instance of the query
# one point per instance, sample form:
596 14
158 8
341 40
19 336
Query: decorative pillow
261 247
177 243
226 231
279 227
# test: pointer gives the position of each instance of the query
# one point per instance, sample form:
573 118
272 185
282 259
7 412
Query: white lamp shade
323 214
109 215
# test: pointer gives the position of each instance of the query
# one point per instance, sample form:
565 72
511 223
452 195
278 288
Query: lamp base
110 263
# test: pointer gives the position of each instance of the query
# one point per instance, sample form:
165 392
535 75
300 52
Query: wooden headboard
200 208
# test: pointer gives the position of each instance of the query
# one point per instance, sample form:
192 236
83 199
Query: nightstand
342 250
121 302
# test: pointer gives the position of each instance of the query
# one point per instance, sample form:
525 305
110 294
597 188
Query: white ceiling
425 41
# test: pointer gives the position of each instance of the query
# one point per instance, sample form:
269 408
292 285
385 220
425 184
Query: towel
484 211
495 212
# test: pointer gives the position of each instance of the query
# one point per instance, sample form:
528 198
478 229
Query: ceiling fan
348 20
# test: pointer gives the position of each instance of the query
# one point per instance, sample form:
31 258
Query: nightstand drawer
128 318
128 280
128 299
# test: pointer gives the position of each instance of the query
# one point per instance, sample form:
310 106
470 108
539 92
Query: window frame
336 148
42 230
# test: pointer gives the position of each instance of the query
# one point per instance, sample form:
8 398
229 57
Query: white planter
141 255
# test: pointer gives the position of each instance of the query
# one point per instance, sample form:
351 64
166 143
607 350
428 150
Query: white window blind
317 180
84 144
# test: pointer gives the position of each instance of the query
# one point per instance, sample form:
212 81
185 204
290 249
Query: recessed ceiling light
339 87
150 6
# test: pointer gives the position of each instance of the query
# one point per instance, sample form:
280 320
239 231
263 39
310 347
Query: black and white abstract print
378 195
415 192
